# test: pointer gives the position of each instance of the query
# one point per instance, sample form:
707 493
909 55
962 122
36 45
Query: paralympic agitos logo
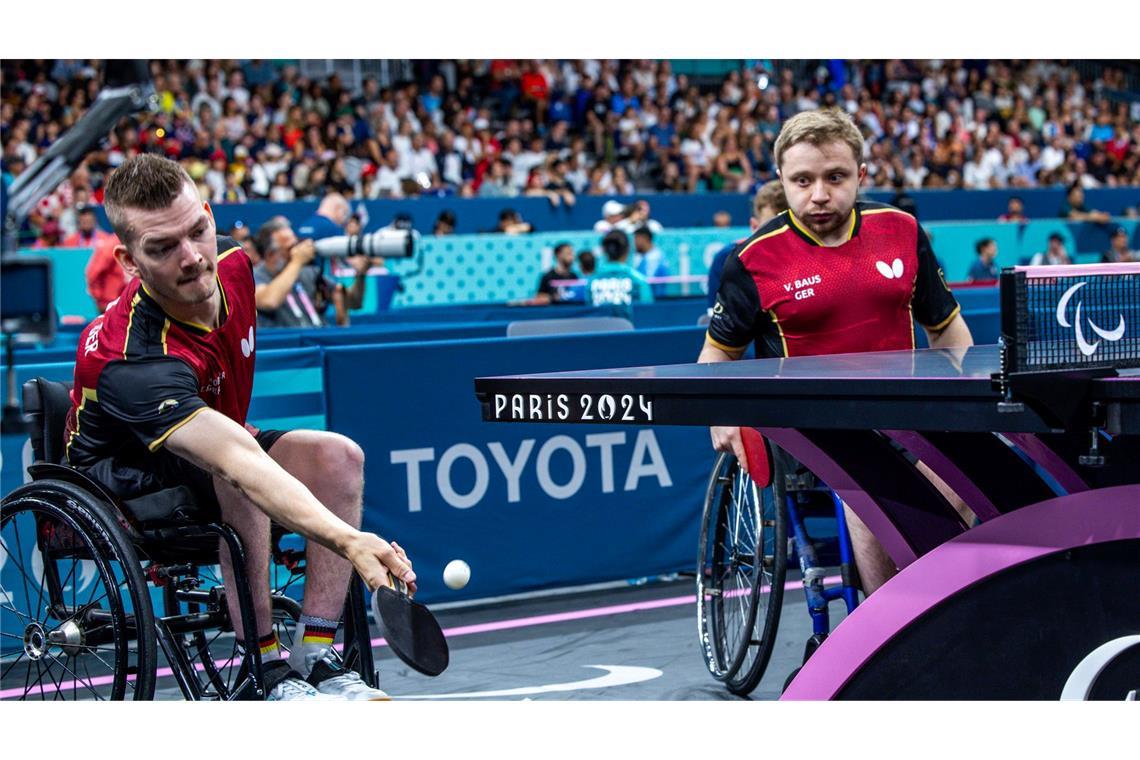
1088 349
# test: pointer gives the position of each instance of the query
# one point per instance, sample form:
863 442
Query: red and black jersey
141 374
795 297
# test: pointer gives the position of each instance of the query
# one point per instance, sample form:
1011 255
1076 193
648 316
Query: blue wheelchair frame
815 555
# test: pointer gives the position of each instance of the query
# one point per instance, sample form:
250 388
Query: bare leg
960 507
874 564
252 525
332 467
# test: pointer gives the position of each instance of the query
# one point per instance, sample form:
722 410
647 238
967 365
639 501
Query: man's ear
126 260
862 173
209 212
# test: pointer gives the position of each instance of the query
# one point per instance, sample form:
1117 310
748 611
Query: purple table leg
1066 522
941 466
1048 460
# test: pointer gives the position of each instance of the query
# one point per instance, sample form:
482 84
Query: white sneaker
331 679
294 688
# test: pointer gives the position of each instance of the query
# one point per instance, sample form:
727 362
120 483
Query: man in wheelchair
162 387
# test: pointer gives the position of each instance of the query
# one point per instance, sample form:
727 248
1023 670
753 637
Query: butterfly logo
247 344
890 271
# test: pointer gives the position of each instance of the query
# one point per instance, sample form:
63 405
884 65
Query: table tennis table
1009 608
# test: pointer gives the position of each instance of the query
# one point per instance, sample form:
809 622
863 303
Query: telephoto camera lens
386 243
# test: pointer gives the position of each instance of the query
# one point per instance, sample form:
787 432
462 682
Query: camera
387 243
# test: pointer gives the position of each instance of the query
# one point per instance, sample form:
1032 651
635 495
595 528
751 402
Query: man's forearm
711 354
954 335
223 448
287 501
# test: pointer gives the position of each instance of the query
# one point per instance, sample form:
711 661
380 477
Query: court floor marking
466 630
590 612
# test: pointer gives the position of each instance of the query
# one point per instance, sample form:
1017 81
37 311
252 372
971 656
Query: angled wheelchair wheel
76 610
210 651
742 563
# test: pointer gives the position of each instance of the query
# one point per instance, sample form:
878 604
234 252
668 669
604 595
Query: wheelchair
94 587
747 534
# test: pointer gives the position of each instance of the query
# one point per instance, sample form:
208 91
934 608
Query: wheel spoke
23 573
25 617
94 654
75 676
12 664
88 672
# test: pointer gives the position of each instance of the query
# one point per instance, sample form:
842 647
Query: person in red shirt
163 381
781 292
105 278
89 235
535 90
49 236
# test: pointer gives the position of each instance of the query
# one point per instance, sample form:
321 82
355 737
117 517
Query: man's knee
341 457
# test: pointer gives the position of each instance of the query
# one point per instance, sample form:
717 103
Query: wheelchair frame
76 519
750 562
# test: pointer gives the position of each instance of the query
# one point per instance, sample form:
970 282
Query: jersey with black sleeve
141 374
793 296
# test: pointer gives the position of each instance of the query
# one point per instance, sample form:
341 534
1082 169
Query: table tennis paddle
756 450
410 629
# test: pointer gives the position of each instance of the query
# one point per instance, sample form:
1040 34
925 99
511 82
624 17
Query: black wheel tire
113 630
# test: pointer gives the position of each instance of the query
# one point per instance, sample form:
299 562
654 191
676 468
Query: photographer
291 293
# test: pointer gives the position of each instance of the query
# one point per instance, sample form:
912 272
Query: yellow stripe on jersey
153 445
765 236
779 329
946 322
228 252
88 394
868 212
910 321
165 329
727 349
130 321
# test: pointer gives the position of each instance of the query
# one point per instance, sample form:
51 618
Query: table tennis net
1075 317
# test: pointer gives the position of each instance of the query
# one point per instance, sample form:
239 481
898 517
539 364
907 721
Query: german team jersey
793 296
140 374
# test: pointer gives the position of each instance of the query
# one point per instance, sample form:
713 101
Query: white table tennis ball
456 574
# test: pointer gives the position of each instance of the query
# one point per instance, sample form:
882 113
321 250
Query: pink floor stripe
465 630
562 617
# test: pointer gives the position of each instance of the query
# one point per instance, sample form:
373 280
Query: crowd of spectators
250 130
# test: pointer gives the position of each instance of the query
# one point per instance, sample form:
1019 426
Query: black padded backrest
46 403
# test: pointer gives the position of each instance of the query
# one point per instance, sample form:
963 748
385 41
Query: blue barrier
526 507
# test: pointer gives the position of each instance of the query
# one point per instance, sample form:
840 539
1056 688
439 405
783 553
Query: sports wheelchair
747 533
93 587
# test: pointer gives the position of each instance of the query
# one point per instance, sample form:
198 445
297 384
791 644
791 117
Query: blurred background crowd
259 129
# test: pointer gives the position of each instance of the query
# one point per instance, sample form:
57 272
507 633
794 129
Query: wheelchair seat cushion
176 504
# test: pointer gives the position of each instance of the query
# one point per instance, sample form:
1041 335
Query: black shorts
163 469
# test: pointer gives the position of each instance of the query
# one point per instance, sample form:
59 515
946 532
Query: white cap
613 208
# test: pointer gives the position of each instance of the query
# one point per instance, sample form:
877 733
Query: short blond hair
770 195
820 127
